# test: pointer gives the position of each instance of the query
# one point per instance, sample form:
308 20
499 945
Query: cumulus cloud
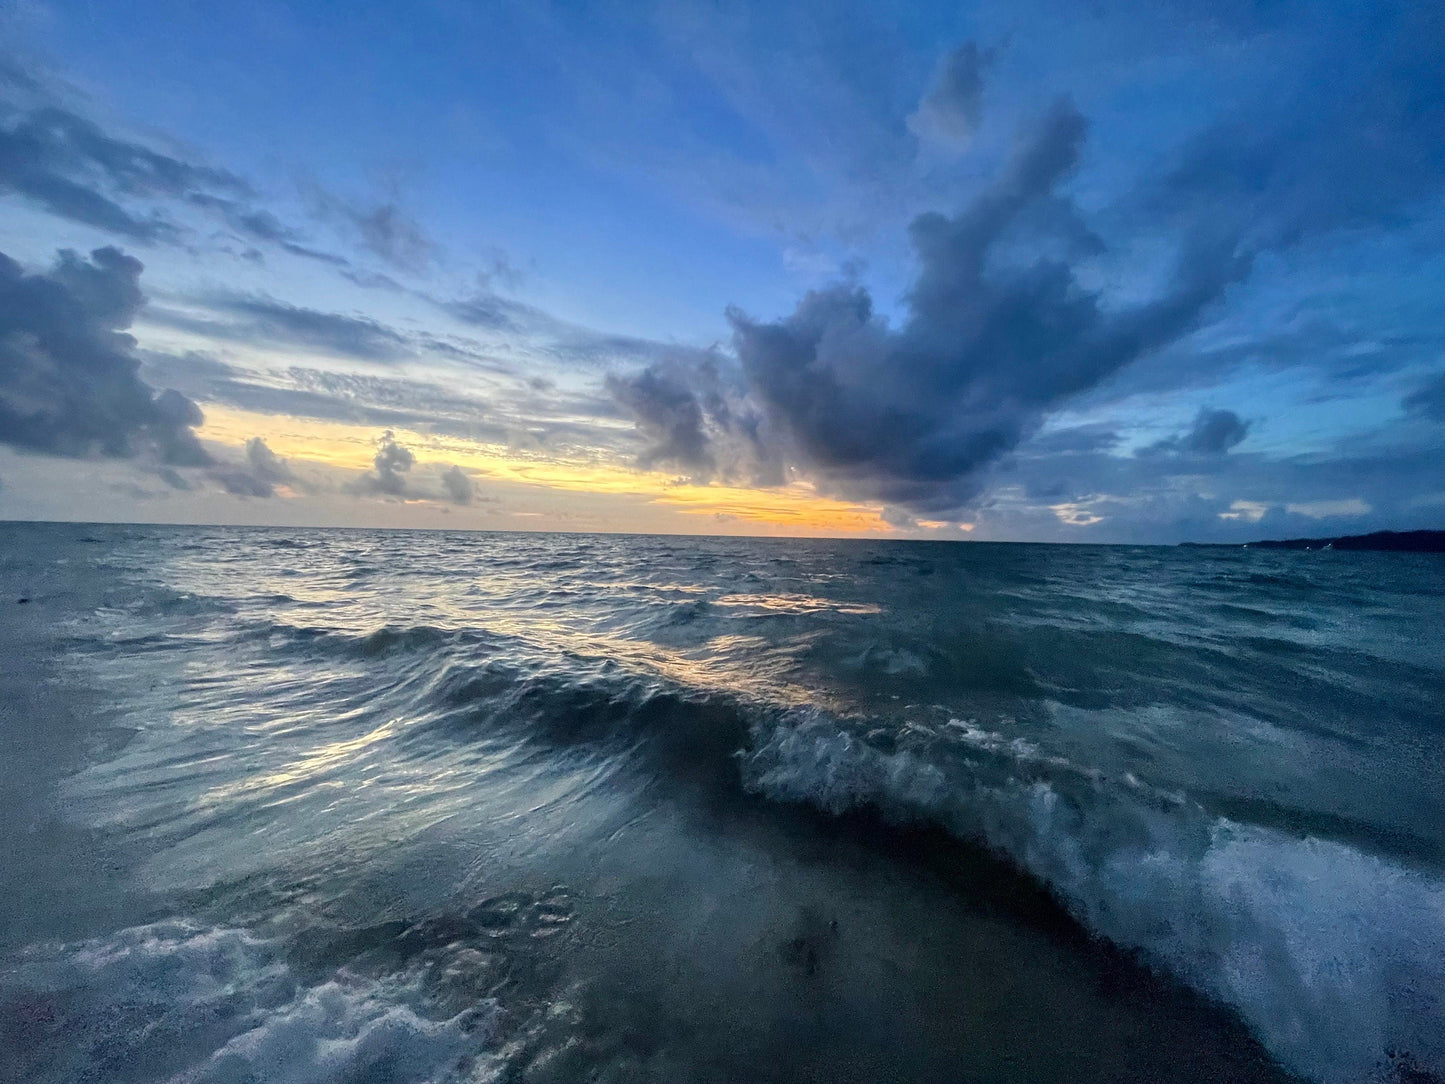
1214 432
697 416
668 415
908 415
457 486
68 369
390 466
949 113
262 472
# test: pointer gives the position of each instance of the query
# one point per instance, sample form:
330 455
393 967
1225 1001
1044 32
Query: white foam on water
1334 957
192 1004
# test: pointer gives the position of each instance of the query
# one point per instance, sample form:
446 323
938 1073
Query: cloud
457 486
949 113
1428 400
669 417
265 463
67 166
1214 432
390 234
68 369
384 229
389 469
909 416
257 318
695 414
264 471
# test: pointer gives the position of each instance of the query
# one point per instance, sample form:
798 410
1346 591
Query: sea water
301 806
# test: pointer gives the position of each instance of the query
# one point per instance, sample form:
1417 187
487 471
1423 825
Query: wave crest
1336 958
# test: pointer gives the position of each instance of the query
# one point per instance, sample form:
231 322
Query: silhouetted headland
1388 541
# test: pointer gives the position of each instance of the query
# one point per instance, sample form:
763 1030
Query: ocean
294 806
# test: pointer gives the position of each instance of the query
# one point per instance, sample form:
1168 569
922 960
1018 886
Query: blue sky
1125 272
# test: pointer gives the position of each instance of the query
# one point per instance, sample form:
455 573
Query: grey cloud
909 416
1214 432
256 318
240 484
390 467
949 113
1428 400
1081 438
172 478
393 236
669 417
499 270
1209 498
383 228
497 413
265 463
487 310
68 369
696 415
67 166
457 486
372 280
556 338
264 470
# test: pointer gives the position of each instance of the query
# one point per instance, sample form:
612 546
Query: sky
1010 270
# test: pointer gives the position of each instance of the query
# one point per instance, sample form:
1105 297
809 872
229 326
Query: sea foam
192 1004
1333 956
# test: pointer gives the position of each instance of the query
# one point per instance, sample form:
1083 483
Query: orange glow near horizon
339 445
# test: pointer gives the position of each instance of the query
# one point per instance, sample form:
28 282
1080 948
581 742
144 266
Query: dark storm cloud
950 112
669 417
68 369
1214 432
693 414
908 416
68 166
1003 325
1428 400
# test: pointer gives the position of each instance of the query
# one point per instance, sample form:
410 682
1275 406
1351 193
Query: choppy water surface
296 806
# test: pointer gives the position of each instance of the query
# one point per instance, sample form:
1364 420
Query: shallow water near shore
304 806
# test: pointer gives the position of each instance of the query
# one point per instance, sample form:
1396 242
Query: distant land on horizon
1390 541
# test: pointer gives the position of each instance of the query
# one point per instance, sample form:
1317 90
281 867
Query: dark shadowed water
304 806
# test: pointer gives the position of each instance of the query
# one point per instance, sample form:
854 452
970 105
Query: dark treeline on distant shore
1395 541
